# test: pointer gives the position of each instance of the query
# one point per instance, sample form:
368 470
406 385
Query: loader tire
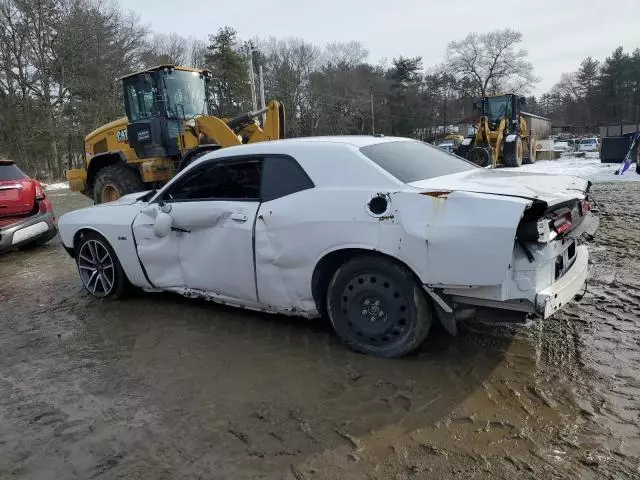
114 181
480 156
512 153
530 156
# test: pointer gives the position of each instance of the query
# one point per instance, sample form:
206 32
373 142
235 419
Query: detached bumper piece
554 297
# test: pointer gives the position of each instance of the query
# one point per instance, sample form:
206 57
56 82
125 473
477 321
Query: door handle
238 217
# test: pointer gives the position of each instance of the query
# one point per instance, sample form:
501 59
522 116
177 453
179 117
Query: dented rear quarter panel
463 239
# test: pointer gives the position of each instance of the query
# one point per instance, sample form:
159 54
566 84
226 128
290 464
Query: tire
463 150
529 152
114 181
512 153
480 156
377 307
99 268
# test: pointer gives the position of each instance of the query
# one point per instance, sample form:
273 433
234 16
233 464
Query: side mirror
163 224
523 100
164 207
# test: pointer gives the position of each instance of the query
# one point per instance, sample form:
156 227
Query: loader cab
158 102
502 106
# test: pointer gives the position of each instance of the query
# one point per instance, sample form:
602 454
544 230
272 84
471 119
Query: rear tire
115 181
512 153
377 307
480 156
99 268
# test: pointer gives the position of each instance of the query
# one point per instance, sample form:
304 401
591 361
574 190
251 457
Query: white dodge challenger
382 235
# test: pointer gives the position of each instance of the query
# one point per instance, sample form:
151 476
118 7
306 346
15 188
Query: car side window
282 176
219 180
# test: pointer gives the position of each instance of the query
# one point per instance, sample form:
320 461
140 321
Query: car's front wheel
377 307
100 271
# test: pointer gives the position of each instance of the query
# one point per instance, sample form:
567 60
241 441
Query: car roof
354 140
281 146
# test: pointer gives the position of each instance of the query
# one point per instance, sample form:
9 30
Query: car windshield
410 161
9 171
589 140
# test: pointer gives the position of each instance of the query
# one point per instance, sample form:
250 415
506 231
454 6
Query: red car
26 214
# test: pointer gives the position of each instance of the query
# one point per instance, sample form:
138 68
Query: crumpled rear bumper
554 297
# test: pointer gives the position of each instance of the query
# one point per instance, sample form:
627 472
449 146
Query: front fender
114 224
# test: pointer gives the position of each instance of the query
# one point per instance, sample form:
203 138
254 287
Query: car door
282 245
213 209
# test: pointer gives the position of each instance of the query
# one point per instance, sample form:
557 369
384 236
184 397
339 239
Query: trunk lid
552 189
17 191
17 198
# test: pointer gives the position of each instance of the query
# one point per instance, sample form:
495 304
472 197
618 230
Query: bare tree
350 53
166 49
492 61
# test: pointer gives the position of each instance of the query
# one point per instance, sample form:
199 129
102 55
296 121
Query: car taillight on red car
44 204
39 192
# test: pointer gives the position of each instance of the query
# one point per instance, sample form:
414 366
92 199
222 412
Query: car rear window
410 161
589 140
9 171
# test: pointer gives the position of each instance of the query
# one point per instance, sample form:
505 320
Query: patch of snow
589 168
56 186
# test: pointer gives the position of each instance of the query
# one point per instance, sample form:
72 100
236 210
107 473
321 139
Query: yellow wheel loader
168 125
502 137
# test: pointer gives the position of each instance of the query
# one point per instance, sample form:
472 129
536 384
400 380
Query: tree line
598 93
59 61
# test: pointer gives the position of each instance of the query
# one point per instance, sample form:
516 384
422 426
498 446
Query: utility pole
252 81
262 99
373 117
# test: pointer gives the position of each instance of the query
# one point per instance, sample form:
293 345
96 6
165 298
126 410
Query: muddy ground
160 387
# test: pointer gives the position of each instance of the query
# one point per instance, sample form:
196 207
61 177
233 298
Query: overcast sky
557 33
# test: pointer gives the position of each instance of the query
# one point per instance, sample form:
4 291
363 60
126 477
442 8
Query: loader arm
497 151
244 129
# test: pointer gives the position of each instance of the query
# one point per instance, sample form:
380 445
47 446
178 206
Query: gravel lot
161 387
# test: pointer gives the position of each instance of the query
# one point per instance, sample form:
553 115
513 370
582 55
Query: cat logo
121 135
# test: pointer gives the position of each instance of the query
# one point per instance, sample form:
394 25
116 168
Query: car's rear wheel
377 307
100 271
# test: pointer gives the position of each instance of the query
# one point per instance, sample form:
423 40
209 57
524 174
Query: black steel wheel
100 271
377 307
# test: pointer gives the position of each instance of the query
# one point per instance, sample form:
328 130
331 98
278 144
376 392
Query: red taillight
45 205
562 222
585 206
39 192
564 226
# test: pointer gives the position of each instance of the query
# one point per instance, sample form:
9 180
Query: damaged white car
383 235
